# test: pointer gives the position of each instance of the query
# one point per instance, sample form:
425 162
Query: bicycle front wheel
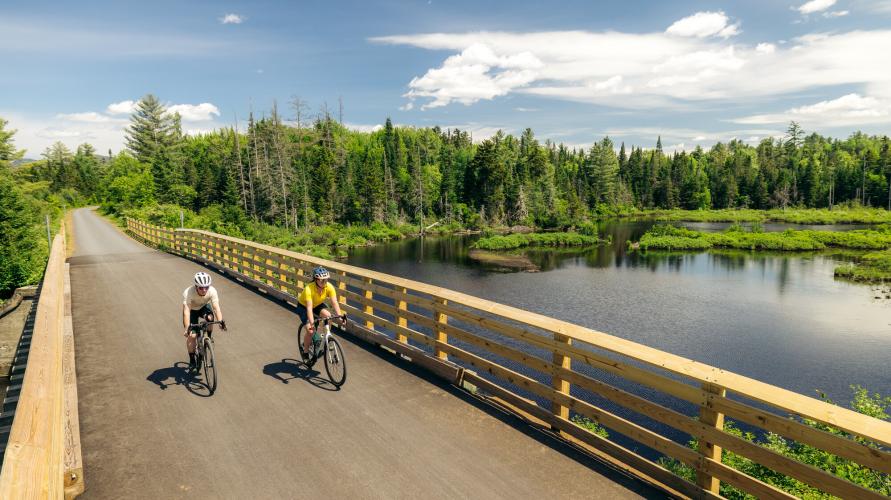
335 363
301 334
210 366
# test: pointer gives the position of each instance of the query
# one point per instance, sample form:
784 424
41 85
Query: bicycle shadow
291 369
180 375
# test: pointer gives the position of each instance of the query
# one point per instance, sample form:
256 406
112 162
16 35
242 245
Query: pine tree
154 137
8 153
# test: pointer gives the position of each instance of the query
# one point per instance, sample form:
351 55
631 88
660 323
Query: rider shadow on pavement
179 374
289 369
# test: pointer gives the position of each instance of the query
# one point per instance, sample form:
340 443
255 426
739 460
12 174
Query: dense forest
312 171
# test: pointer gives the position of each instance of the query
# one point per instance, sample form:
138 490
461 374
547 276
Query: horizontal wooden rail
43 457
556 356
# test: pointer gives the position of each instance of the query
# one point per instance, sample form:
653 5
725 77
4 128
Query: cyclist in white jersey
199 301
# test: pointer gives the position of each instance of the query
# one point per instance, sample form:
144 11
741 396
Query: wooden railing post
368 309
402 306
283 275
441 336
341 287
559 383
269 274
709 450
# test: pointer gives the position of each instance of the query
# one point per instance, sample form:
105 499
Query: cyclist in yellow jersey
311 303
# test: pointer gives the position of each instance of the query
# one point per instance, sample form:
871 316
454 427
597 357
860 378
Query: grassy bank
874 267
513 241
839 215
665 237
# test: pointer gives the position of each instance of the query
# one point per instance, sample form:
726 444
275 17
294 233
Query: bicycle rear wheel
210 366
335 363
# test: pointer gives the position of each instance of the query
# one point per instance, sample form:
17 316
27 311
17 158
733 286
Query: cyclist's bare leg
191 342
307 339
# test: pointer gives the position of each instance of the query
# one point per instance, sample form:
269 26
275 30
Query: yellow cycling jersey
311 292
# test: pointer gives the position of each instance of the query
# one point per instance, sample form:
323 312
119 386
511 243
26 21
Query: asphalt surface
274 429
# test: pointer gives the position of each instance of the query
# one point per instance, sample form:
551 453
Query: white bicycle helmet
320 273
202 279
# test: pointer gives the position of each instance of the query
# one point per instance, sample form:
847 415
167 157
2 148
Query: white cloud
407 106
359 127
232 19
195 112
35 134
645 71
121 108
103 131
692 137
836 13
850 109
476 73
88 117
815 6
704 24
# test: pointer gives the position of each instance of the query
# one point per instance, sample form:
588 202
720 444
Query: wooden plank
33 461
742 481
605 449
707 449
73 469
368 309
441 335
557 382
341 287
440 368
402 306
595 360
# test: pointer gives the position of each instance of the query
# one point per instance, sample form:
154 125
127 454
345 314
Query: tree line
311 170
316 171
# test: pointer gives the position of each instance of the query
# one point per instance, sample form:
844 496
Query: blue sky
693 72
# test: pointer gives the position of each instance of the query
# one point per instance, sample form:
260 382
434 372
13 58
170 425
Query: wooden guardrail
43 457
521 357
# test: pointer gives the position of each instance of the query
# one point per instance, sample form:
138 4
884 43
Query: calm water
780 318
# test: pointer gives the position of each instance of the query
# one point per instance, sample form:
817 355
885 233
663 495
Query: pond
780 318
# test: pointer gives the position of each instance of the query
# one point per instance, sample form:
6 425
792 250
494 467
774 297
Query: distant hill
23 161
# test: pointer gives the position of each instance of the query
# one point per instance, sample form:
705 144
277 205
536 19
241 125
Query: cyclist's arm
309 316
186 317
217 311
336 305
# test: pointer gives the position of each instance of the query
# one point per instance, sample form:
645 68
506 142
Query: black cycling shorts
302 312
205 312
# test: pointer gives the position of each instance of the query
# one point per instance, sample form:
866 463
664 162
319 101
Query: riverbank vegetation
520 240
845 214
667 237
276 181
873 267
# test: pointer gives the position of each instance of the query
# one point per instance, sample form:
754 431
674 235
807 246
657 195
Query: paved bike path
272 429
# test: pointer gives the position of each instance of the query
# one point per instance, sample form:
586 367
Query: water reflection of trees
454 249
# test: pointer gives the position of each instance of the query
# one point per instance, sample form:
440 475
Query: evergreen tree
154 137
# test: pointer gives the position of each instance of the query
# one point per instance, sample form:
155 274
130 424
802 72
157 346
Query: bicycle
335 363
204 352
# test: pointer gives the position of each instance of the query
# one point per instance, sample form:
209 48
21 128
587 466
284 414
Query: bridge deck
148 432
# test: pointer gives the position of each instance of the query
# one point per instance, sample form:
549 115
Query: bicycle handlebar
196 326
329 318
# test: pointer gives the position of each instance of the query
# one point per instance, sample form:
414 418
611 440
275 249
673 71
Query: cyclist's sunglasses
202 288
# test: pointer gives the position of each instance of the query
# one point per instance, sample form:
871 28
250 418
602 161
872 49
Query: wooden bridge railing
522 357
43 456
